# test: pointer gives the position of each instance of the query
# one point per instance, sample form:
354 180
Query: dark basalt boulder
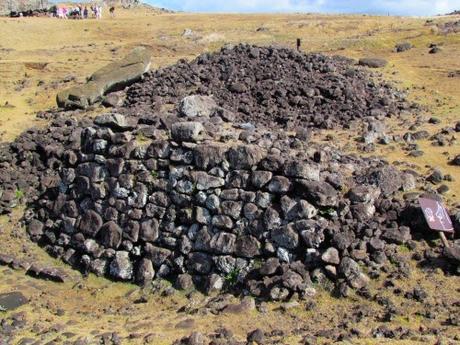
456 161
110 235
321 194
12 300
402 47
453 253
187 131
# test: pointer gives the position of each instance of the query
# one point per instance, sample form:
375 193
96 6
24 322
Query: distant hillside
6 6
122 3
136 3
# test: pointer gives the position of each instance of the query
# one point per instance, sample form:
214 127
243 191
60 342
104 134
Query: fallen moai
115 76
373 62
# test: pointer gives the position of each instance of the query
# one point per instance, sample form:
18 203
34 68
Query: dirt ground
39 56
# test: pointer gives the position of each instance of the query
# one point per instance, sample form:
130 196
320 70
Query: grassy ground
38 54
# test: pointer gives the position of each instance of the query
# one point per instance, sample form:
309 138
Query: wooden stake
444 239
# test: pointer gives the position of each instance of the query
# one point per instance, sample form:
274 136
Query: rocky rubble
199 198
269 217
271 87
33 270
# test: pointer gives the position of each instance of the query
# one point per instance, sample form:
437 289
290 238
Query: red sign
436 215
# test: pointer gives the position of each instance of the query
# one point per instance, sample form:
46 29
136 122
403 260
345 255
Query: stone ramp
114 76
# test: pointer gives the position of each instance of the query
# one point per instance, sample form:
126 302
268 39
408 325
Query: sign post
298 44
437 218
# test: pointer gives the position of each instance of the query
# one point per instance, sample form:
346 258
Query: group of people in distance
82 12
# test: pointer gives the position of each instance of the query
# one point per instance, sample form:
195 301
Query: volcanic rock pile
273 87
199 198
266 215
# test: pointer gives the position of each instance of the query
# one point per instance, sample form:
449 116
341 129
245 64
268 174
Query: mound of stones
272 87
269 217
200 198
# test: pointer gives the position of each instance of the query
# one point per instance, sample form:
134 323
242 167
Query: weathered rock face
112 77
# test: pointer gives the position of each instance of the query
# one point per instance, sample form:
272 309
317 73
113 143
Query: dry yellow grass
36 54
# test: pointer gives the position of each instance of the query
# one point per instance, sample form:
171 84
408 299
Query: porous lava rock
139 195
163 208
267 86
